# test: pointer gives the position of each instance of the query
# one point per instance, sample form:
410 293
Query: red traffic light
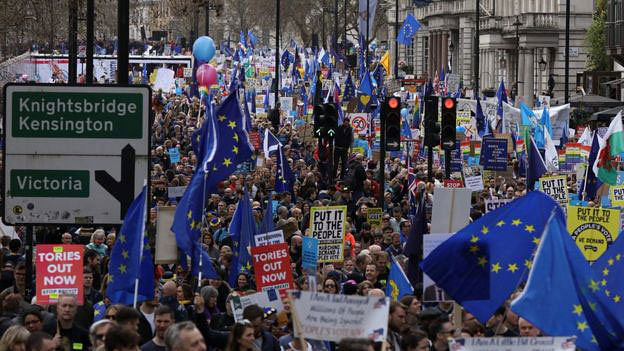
449 103
393 102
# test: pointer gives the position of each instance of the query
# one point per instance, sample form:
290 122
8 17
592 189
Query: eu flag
131 259
410 27
483 263
565 296
592 182
242 231
398 285
349 90
537 166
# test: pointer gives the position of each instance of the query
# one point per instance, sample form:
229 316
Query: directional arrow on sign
122 190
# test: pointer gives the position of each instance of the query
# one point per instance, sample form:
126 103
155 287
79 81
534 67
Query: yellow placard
358 150
593 229
374 216
616 193
57 249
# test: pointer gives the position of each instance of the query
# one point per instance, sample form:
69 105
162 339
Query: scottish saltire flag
242 231
409 28
131 260
285 177
398 285
565 296
482 264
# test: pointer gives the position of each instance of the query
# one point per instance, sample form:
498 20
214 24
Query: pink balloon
206 75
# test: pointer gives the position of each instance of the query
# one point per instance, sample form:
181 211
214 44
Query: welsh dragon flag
611 146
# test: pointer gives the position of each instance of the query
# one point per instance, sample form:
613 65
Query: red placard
272 268
59 272
453 183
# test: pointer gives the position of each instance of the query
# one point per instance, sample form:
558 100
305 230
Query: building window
409 53
425 54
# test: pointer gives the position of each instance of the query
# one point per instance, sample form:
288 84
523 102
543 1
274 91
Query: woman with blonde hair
97 242
14 339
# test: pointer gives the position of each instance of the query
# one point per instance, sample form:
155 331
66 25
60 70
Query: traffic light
432 127
318 115
331 120
449 114
391 113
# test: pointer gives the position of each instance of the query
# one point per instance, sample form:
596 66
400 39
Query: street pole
396 44
567 54
367 30
382 158
476 49
72 70
28 248
90 39
335 39
323 26
277 63
123 36
344 42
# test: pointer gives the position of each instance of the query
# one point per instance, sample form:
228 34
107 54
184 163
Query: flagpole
145 219
203 220
584 193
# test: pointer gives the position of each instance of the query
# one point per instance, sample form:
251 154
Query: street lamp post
517 24
451 49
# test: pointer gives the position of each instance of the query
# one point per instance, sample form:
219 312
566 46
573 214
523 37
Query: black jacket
344 136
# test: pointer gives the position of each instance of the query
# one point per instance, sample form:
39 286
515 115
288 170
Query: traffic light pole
430 164
447 164
382 160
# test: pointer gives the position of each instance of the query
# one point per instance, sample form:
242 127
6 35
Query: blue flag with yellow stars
409 28
99 311
565 296
398 285
349 89
226 146
482 264
131 259
242 231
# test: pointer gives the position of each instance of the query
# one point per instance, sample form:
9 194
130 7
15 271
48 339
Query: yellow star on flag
122 238
96 312
512 267
516 222
529 228
122 268
536 240
189 214
603 282
110 278
232 124
482 261
593 285
496 267
611 262
235 137
617 257
528 264
124 253
222 118
474 249
214 168
578 310
474 239
147 247
227 162
581 326
500 223
485 230
235 149
605 272
607 292
616 298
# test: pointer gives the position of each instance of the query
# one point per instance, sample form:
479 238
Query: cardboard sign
536 343
267 298
492 204
374 216
272 267
555 187
309 255
175 191
451 209
270 238
494 154
359 122
333 317
327 224
59 272
431 292
616 193
594 229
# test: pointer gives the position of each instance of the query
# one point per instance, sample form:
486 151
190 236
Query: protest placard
494 154
492 204
374 216
456 158
451 209
536 343
270 238
175 191
272 267
332 317
309 254
453 183
473 178
556 187
594 229
59 272
616 193
327 225
431 292
359 122
266 298
174 155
